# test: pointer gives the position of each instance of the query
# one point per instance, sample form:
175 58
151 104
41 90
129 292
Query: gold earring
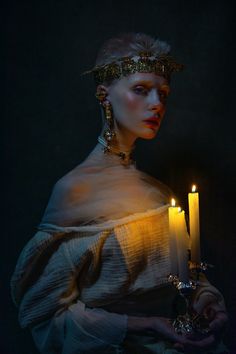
101 95
109 133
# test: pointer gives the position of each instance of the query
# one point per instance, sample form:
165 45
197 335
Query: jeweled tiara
163 65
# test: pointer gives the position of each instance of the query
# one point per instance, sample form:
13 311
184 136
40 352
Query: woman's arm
45 285
78 329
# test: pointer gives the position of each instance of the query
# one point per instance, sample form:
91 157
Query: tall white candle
182 246
194 224
172 212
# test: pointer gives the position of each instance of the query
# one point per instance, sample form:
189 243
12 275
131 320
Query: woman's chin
150 134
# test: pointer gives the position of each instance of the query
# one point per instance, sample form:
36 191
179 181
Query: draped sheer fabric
101 189
101 253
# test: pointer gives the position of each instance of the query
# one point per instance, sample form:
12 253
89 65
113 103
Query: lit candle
182 240
172 212
193 201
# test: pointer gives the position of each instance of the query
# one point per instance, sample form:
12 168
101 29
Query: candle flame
173 202
194 188
179 209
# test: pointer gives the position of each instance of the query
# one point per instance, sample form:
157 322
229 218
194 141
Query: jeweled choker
126 157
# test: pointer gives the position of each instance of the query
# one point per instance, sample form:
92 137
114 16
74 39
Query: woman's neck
112 149
123 140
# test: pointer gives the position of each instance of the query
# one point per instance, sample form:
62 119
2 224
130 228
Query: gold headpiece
146 62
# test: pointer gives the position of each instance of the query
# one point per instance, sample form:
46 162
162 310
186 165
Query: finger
164 327
172 335
203 302
209 313
219 321
215 308
178 346
200 344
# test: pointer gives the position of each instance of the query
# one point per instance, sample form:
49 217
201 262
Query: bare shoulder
76 184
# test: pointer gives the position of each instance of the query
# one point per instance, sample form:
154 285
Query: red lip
153 120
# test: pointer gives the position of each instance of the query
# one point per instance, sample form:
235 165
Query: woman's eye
140 90
163 95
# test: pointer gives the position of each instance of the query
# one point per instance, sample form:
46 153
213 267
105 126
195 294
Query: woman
94 277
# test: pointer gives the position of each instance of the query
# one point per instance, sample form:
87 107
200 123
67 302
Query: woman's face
139 103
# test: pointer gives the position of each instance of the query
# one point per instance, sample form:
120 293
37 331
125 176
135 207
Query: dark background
52 120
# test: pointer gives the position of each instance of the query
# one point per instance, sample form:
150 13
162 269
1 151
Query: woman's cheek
132 102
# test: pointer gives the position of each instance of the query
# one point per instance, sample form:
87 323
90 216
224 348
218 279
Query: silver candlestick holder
189 322
197 268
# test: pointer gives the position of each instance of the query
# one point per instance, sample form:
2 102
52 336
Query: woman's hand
215 312
189 343
161 326
207 306
164 328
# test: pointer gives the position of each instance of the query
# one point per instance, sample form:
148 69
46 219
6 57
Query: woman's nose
155 102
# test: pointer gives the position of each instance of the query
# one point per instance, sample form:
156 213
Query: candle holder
196 268
188 322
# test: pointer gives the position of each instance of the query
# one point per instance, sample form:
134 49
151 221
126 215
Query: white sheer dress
101 253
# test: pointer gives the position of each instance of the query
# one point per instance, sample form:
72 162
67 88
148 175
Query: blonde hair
129 44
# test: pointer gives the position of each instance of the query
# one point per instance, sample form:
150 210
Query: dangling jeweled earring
109 132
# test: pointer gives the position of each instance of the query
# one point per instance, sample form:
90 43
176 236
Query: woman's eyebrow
151 84
165 87
142 82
